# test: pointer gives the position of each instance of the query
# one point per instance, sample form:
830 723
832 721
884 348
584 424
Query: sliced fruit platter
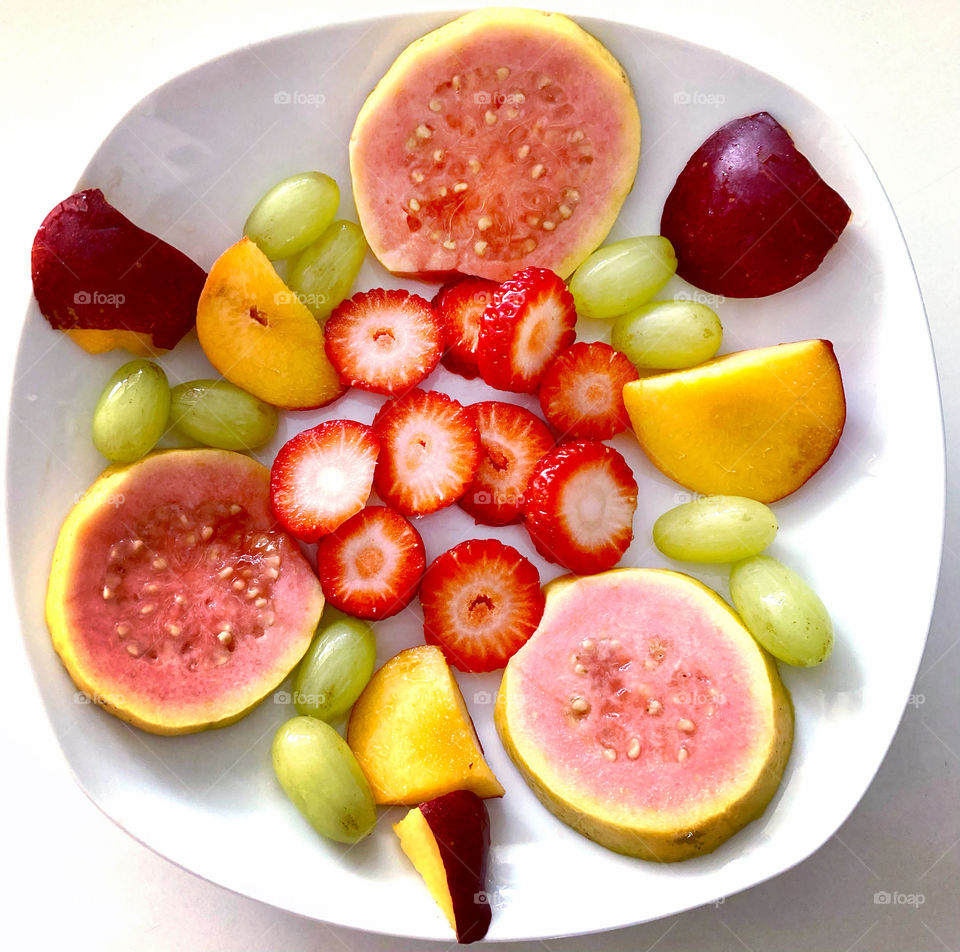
486 412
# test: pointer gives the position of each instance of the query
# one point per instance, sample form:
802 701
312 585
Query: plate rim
586 21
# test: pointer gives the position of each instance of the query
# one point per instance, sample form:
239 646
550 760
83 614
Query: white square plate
188 162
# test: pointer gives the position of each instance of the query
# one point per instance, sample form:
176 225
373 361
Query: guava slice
643 714
173 600
504 139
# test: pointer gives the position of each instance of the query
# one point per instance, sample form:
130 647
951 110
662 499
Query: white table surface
887 70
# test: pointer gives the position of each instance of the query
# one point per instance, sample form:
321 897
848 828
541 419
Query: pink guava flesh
647 699
182 601
499 146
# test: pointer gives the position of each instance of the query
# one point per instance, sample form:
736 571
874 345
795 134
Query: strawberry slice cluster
499 462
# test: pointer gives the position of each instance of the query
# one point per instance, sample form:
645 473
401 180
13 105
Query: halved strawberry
582 391
384 341
530 320
513 441
579 505
430 450
481 601
322 476
372 565
460 306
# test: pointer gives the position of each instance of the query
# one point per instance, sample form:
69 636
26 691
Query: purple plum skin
461 827
749 215
94 269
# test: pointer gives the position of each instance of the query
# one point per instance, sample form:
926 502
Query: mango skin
756 423
647 834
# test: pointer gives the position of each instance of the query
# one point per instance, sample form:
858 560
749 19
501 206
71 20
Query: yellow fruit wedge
260 336
756 423
412 734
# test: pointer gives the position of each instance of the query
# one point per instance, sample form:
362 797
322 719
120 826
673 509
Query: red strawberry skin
579 506
530 320
322 476
429 452
371 566
581 393
459 307
514 440
384 341
481 601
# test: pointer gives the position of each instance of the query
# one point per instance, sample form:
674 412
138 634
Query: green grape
132 411
335 669
781 611
668 335
319 773
293 214
323 274
216 413
715 529
622 276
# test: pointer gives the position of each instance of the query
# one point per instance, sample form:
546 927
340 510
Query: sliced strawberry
579 505
481 601
460 307
513 441
582 391
530 320
322 477
384 341
429 453
372 565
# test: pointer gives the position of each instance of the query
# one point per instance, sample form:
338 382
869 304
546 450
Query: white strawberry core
538 334
594 506
329 480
